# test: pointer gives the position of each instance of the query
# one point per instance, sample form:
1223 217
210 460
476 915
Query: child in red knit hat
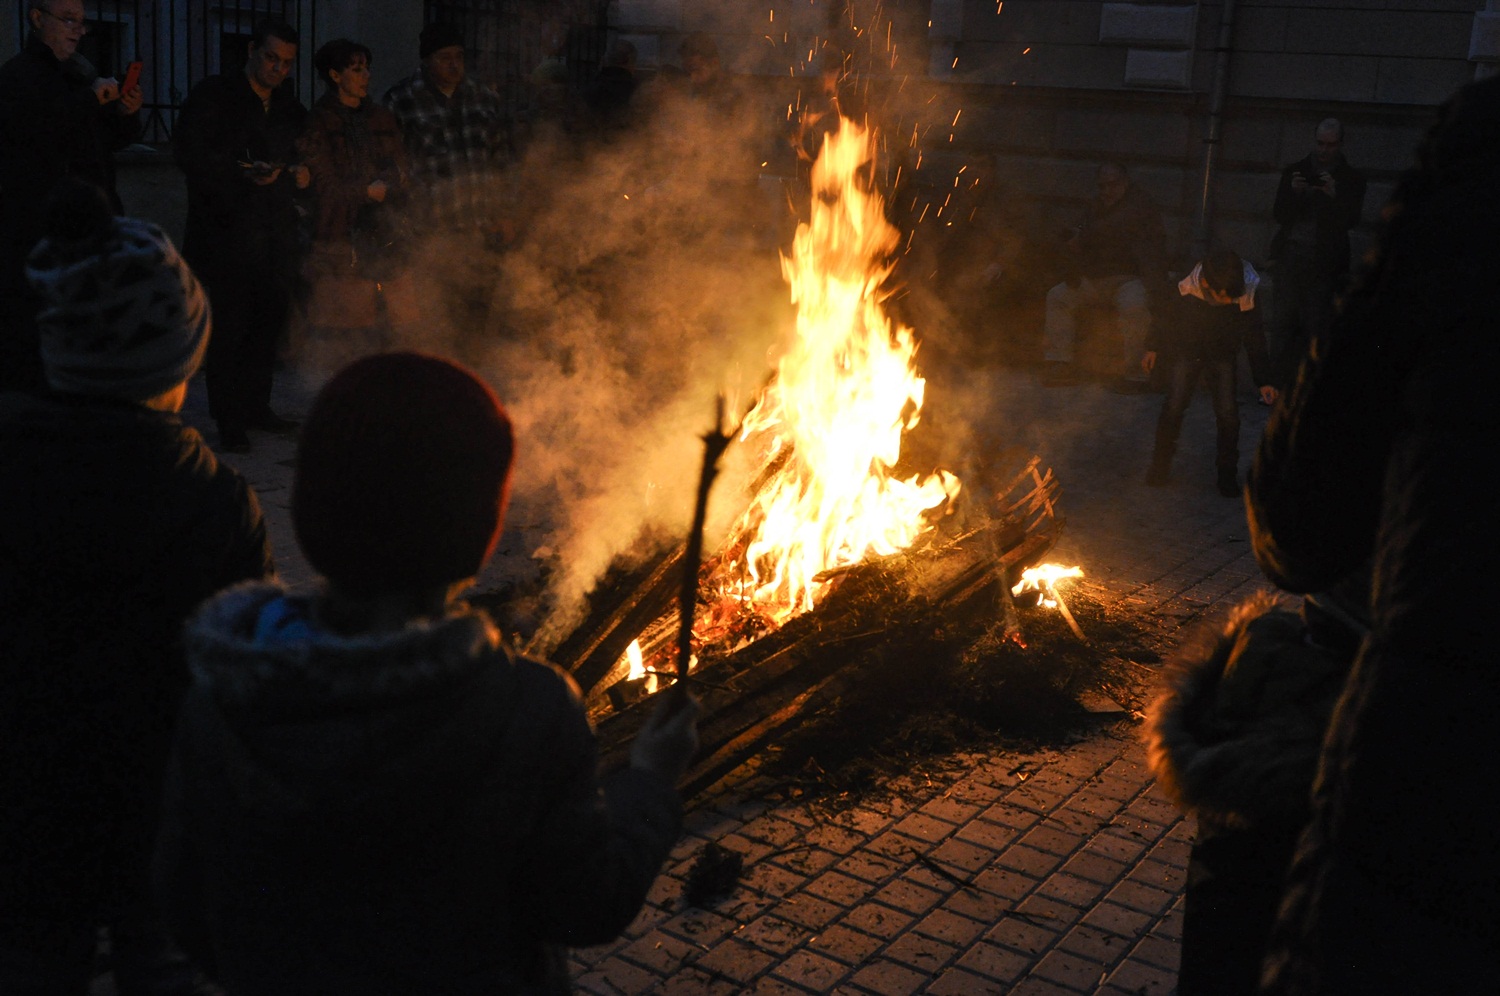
370 792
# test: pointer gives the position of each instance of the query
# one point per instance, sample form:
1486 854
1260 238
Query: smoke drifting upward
645 281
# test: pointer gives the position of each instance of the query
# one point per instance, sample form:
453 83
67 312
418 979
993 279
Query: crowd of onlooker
365 790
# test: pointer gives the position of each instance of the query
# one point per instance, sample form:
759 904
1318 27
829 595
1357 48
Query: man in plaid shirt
457 139
456 132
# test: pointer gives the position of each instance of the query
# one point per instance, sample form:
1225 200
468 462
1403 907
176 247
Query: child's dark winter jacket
402 812
1198 330
115 522
1234 738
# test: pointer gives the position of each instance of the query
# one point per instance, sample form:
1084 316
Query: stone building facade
1051 87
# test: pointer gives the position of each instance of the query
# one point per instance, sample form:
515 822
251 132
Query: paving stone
996 962
804 860
660 952
1098 946
985 834
1004 882
925 828
695 981
1052 839
772 879
750 851
850 946
736 959
962 856
774 934
1028 860
769 985
889 978
1119 920
614 976
699 926
925 954
1070 889
977 905
1007 813
908 896
1158 951
836 887
882 921
808 968
1160 875
1090 865
1138 977
831 837
952 809
1035 985
772 830
946 925
960 982
809 911
1140 896
1070 970
1024 934
871 867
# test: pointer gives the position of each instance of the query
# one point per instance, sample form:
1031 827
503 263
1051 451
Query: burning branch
1043 580
715 442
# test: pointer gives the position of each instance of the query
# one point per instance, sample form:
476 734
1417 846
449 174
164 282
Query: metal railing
512 44
179 42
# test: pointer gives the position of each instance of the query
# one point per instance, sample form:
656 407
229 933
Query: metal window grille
179 42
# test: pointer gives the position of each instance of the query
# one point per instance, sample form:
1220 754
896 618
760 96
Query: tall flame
844 393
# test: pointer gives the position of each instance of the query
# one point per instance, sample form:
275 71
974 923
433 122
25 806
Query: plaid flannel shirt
456 146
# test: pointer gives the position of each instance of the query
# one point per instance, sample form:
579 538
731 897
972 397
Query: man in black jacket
57 119
236 140
1214 317
115 521
1318 201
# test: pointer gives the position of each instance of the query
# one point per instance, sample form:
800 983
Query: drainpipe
1223 51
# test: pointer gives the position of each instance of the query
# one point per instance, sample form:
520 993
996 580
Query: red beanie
402 475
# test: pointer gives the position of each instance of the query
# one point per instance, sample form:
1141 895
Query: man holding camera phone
236 142
58 119
1318 201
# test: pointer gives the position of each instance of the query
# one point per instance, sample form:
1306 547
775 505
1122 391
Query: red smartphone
132 77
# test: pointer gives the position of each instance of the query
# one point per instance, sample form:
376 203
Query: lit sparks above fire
831 422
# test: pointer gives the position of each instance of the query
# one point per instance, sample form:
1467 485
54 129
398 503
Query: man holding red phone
58 119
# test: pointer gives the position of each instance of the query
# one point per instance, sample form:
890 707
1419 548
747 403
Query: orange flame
1043 578
844 394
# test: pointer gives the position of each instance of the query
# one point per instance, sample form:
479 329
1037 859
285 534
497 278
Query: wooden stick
715 442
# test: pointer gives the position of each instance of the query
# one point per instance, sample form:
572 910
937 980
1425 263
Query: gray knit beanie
122 316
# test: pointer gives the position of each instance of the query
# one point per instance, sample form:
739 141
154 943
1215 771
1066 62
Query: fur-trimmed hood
242 670
1235 732
340 726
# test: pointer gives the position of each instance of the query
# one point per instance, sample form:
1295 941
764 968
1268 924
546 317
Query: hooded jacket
409 812
1233 738
115 522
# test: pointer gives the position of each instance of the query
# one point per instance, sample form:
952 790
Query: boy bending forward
1214 315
